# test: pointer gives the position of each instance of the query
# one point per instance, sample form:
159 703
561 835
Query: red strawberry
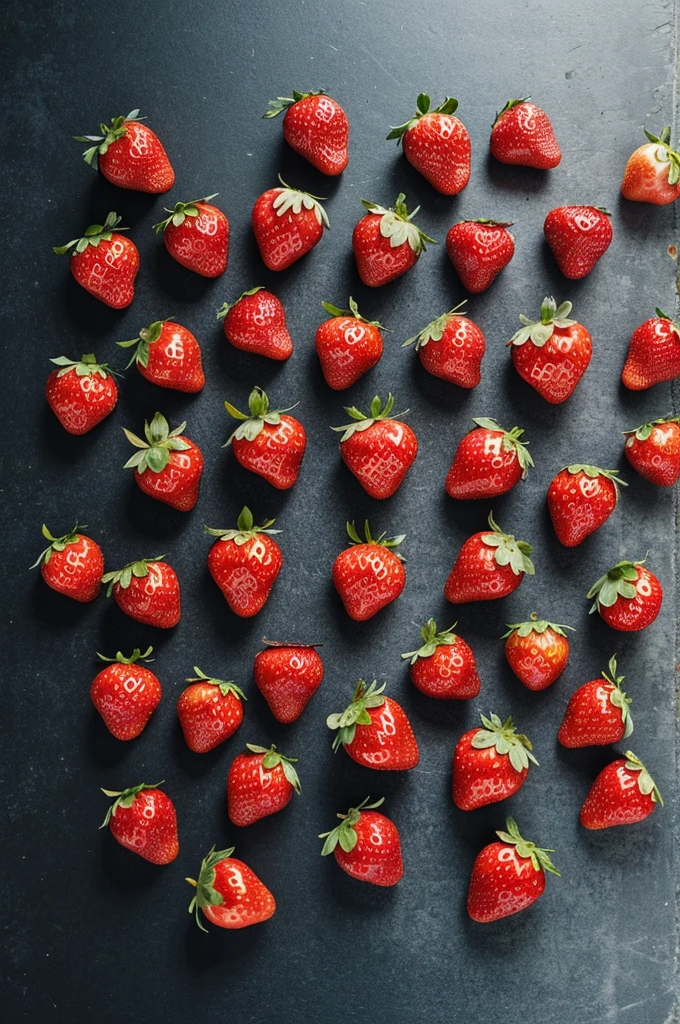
489 565
229 894
386 243
597 713
256 323
347 345
146 590
622 794
375 731
287 223
653 353
368 576
209 710
81 393
522 134
126 694
377 449
316 127
143 819
168 354
652 174
580 499
507 877
104 262
537 651
553 353
489 461
479 249
444 667
653 449
628 597
130 155
245 563
366 845
490 764
578 236
437 144
197 236
287 675
169 465
451 347
267 442
72 564
260 783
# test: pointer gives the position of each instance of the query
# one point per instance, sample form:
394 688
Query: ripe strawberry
578 236
147 590
260 783
287 223
126 694
444 667
622 794
267 442
653 353
580 499
169 466
209 710
489 461
522 134
437 144
130 155
229 894
479 249
256 323
490 764
652 174
653 449
196 234
537 651
489 565
386 243
377 449
168 354
507 877
288 675
347 345
104 262
143 819
368 576
451 347
81 393
597 713
375 731
72 564
316 127
553 353
366 845
628 597
244 563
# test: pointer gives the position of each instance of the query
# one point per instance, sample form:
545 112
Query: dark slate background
95 933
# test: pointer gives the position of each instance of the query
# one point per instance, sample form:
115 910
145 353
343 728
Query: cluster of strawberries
490 762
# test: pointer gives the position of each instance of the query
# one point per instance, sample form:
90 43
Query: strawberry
537 651
196 234
81 393
508 876
578 236
386 243
147 590
260 783
366 845
72 564
169 465
653 449
622 794
245 563
130 155
287 675
553 353
652 174
580 499
316 127
168 354
490 764
368 576
489 565
444 667
375 731
104 262
267 442
522 134
143 819
377 449
489 461
126 694
229 894
209 710
653 353
256 323
437 144
479 249
451 347
597 713
287 223
628 597
347 345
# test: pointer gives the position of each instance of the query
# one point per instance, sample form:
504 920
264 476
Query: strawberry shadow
153 518
515 178
247 368
55 609
297 172
126 874
179 283
131 205
104 750
91 317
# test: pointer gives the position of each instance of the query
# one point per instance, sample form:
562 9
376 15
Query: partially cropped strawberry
597 713
287 675
451 347
537 651
366 845
522 134
256 323
552 353
209 710
316 127
104 262
386 242
375 730
126 694
72 565
260 783
628 597
580 499
437 144
268 442
245 563
81 393
479 250
196 234
622 794
143 819
147 590
489 565
507 877
489 461
653 353
130 155
378 449
167 354
168 465
229 894
652 174
578 236
490 764
653 449
287 223
347 345
444 667
368 575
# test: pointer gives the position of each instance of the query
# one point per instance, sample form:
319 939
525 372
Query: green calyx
435 329
617 697
508 106
344 834
675 326
432 639
361 421
226 306
396 224
666 154
488 223
135 656
295 200
272 758
353 311
124 576
245 528
645 429
281 103
356 713
509 551
535 625
383 541
511 442
124 798
507 741
540 331
226 686
645 782
56 543
86 366
95 234
527 850
618 582
154 453
146 337
449 106
206 893
180 212
109 133
260 413
594 472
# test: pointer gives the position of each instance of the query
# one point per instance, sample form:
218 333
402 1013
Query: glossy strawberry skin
245 573
246 900
367 577
200 243
257 324
254 792
377 262
579 504
276 453
207 717
376 857
148 827
537 659
175 360
178 484
483 776
481 467
76 571
590 718
137 161
153 599
288 676
476 576
645 179
380 456
283 240
502 883
615 799
479 252
80 403
347 348
524 135
448 674
457 356
555 369
126 696
317 128
632 614
108 270
657 458
578 236
438 146
388 743
653 354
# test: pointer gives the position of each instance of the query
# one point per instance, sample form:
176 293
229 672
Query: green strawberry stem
154 453
511 442
382 541
449 106
617 697
435 329
93 235
353 311
180 212
507 741
225 686
206 894
124 576
509 551
226 306
295 200
508 106
86 366
56 543
281 103
356 712
109 133
260 413
396 224
526 849
540 331
432 639
245 528
645 429
673 158
594 472
535 625
125 798
618 582
646 783
344 834
135 656
146 337
272 758
360 421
